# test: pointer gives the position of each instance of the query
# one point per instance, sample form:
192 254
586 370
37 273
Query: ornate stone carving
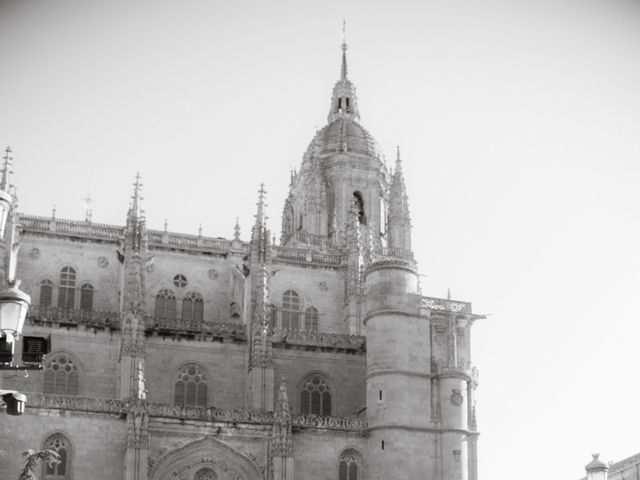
456 397
133 336
103 262
34 254
327 340
38 314
213 274
323 287
281 441
137 425
443 304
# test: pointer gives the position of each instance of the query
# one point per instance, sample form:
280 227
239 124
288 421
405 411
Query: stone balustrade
73 317
306 257
208 414
234 331
334 341
446 305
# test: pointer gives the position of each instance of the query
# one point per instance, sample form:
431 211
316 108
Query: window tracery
66 290
315 396
180 281
61 445
46 293
206 473
191 386
61 375
290 310
311 319
86 297
165 308
192 307
350 467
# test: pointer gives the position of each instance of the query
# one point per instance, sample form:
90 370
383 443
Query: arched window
66 291
46 293
315 397
191 386
192 307
359 206
311 319
61 445
165 305
61 375
290 310
86 297
206 473
350 467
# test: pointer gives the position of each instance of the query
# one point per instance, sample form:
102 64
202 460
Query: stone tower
419 399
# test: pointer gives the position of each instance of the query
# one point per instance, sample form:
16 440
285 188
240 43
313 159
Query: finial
343 70
260 216
53 211
448 294
200 230
166 225
236 230
88 211
5 182
137 190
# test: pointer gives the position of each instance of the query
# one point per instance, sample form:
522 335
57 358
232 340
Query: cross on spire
343 70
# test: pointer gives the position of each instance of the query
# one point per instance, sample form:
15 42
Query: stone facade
188 357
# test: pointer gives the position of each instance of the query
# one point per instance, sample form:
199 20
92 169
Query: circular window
206 474
180 281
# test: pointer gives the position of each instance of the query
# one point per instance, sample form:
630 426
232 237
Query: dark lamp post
14 304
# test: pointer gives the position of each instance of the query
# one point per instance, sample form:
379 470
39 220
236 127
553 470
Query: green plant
31 460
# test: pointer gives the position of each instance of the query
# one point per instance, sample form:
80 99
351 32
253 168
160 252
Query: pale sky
518 123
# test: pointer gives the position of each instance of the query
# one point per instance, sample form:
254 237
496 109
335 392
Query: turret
282 441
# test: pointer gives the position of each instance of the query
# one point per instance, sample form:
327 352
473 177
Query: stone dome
345 135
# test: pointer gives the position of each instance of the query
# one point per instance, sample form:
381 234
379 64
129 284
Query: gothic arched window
315 397
61 445
192 307
86 297
290 310
350 465
61 375
359 206
165 305
46 293
66 290
311 319
191 386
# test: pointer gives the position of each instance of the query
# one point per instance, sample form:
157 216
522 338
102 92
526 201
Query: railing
396 253
71 227
337 341
235 331
305 256
209 414
446 305
114 232
322 241
74 317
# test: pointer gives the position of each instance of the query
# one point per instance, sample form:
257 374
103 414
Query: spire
260 235
236 230
343 70
399 221
5 181
344 103
137 199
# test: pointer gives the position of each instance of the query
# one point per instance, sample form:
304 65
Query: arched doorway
205 459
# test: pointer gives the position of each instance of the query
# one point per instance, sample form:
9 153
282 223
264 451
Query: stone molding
405 373
339 341
209 414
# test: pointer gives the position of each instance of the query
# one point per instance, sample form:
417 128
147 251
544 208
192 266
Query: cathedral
186 357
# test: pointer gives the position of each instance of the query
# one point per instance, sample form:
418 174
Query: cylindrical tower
402 440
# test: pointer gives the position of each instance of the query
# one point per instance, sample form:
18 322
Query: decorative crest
343 70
